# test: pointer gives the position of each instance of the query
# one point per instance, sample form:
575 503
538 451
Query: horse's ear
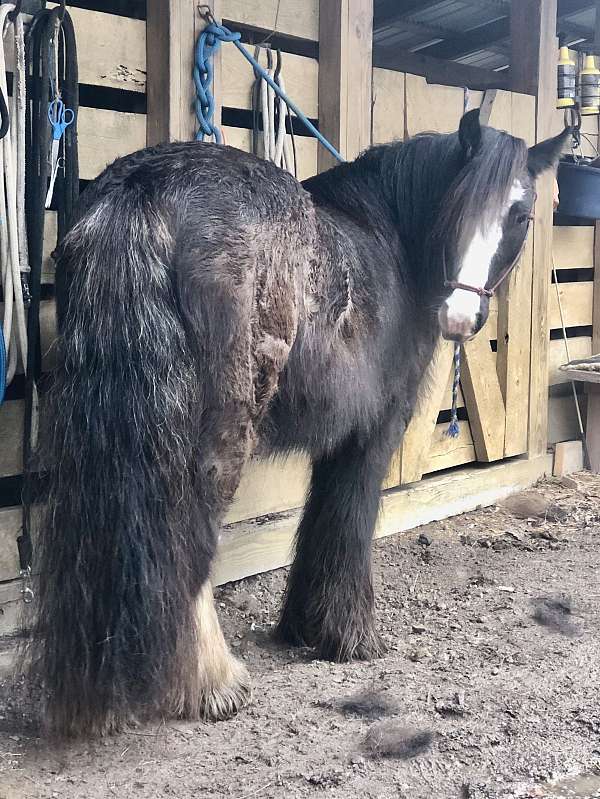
469 132
545 154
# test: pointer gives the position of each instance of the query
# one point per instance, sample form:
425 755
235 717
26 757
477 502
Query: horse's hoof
367 646
232 695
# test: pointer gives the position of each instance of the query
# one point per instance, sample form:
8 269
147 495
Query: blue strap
453 428
208 43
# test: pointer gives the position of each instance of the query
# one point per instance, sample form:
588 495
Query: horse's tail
126 541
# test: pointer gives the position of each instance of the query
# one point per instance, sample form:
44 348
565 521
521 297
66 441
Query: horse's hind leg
329 598
241 352
221 685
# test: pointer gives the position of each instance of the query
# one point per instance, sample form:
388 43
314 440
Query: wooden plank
300 74
50 234
48 333
483 397
306 148
111 50
10 528
249 548
446 452
562 418
345 77
416 445
579 347
13 618
573 247
11 451
583 375
270 486
592 436
106 135
568 458
431 108
576 300
513 355
388 106
172 28
298 18
514 299
533 71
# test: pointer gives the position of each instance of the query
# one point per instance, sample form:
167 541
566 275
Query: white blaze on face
458 315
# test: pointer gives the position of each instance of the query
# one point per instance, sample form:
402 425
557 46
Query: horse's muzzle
459 327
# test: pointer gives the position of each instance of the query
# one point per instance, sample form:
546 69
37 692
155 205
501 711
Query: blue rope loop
453 428
208 43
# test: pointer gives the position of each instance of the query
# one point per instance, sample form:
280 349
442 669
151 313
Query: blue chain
453 428
208 43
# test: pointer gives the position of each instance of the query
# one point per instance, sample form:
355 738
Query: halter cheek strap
488 291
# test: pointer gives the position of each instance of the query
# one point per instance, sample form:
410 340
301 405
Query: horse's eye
522 218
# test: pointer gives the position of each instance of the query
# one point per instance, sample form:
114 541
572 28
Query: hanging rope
208 43
51 64
272 141
13 240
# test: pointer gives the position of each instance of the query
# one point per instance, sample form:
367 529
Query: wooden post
533 71
172 28
593 389
345 77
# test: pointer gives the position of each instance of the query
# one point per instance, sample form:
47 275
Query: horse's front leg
329 598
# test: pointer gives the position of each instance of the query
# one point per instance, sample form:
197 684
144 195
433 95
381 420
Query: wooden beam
172 27
416 446
446 73
533 71
345 77
593 391
483 398
250 547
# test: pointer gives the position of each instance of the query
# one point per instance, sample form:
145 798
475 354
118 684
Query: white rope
276 144
13 243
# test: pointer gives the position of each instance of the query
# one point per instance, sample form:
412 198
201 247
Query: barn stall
514 404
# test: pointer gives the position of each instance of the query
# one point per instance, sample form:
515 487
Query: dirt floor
489 690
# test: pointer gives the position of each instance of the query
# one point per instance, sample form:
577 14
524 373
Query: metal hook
12 15
206 13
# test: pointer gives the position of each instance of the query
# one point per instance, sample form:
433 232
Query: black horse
210 306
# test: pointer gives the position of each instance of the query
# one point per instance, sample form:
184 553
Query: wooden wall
494 395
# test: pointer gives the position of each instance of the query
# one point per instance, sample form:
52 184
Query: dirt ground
489 690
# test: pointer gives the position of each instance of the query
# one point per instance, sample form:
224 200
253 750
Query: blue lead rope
453 428
208 43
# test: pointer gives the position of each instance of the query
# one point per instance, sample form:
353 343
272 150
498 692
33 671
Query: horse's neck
357 198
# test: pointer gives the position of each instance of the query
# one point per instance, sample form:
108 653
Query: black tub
579 187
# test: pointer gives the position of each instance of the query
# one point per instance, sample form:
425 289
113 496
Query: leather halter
485 291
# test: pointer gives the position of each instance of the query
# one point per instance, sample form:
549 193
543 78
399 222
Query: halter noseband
487 292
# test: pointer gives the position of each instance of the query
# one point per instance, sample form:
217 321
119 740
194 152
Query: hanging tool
60 118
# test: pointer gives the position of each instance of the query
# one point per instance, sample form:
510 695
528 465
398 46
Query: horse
212 307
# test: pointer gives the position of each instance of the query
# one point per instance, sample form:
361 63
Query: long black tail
126 540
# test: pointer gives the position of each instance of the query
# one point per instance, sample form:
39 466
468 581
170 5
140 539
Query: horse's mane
425 184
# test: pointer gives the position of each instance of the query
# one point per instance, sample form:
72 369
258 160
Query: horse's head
484 219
